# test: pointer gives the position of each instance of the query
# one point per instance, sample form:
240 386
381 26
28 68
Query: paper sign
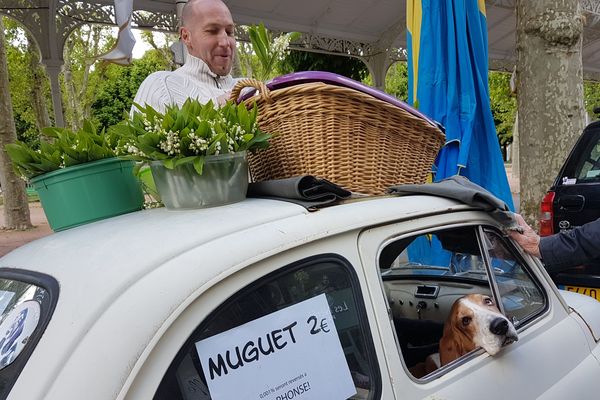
294 353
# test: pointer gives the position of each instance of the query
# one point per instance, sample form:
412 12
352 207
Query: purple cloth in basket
334 79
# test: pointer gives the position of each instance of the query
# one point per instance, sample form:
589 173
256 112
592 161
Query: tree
16 210
549 92
165 49
350 67
591 91
39 81
80 80
29 88
117 87
504 108
396 82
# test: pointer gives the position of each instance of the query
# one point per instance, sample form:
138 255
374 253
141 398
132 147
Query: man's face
209 35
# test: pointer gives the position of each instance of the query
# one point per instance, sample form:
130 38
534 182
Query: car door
552 357
576 202
261 313
577 188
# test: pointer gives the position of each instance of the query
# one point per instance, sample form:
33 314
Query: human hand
222 99
529 240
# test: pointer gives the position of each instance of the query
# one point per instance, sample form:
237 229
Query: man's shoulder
157 77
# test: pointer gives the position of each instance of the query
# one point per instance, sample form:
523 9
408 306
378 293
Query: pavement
11 239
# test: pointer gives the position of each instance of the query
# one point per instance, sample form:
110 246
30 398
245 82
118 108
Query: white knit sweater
193 79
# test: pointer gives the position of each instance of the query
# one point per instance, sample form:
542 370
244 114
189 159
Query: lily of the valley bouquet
60 148
190 133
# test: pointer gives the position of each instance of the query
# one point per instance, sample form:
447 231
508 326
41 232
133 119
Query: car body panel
585 306
132 288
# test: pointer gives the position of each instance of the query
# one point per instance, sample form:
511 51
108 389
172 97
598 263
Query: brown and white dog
475 321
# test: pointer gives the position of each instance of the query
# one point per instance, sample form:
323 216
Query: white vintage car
265 300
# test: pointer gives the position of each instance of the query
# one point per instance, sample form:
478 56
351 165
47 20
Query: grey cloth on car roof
462 189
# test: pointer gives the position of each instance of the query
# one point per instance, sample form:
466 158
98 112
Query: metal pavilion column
53 68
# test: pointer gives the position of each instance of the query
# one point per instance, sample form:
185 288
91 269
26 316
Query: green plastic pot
88 192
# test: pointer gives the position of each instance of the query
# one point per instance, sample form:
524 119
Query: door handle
572 203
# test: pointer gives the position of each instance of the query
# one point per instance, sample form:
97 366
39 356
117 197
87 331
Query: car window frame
358 291
574 161
517 255
479 227
48 283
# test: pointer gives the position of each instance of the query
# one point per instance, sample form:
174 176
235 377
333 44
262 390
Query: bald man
207 30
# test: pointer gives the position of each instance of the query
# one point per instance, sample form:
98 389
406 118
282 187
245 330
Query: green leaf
52 132
199 165
244 118
185 160
169 163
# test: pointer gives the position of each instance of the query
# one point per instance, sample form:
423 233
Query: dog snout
499 326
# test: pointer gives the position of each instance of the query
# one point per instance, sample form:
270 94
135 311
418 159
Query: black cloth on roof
306 190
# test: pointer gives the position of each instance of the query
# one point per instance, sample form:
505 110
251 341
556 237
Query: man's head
208 32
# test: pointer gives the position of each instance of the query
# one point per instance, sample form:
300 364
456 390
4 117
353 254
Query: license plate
592 292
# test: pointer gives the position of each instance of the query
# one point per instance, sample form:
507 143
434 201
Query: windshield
26 303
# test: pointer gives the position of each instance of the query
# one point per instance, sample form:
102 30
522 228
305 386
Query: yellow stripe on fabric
482 7
414 17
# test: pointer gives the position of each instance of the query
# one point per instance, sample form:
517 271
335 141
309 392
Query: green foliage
188 133
396 81
504 106
268 50
115 92
591 96
21 82
66 148
350 67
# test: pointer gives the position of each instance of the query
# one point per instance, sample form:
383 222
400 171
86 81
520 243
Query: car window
521 295
27 301
326 278
449 253
588 161
425 274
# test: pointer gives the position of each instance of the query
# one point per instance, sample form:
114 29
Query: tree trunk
549 93
93 43
16 209
39 83
74 116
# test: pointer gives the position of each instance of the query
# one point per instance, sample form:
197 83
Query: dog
474 321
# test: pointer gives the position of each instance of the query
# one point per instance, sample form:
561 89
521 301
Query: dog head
475 321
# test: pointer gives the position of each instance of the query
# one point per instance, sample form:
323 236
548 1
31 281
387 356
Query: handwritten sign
294 353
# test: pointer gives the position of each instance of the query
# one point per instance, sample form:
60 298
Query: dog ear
450 347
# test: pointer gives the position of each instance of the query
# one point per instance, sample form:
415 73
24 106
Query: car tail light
547 215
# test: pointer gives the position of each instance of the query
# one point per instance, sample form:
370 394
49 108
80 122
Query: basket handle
263 90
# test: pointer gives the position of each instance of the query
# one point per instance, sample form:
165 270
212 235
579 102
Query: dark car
573 200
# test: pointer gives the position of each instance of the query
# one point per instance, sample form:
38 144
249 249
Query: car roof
135 243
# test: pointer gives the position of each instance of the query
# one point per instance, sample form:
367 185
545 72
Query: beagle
474 321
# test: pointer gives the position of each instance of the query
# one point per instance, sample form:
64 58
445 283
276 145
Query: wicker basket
341 134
